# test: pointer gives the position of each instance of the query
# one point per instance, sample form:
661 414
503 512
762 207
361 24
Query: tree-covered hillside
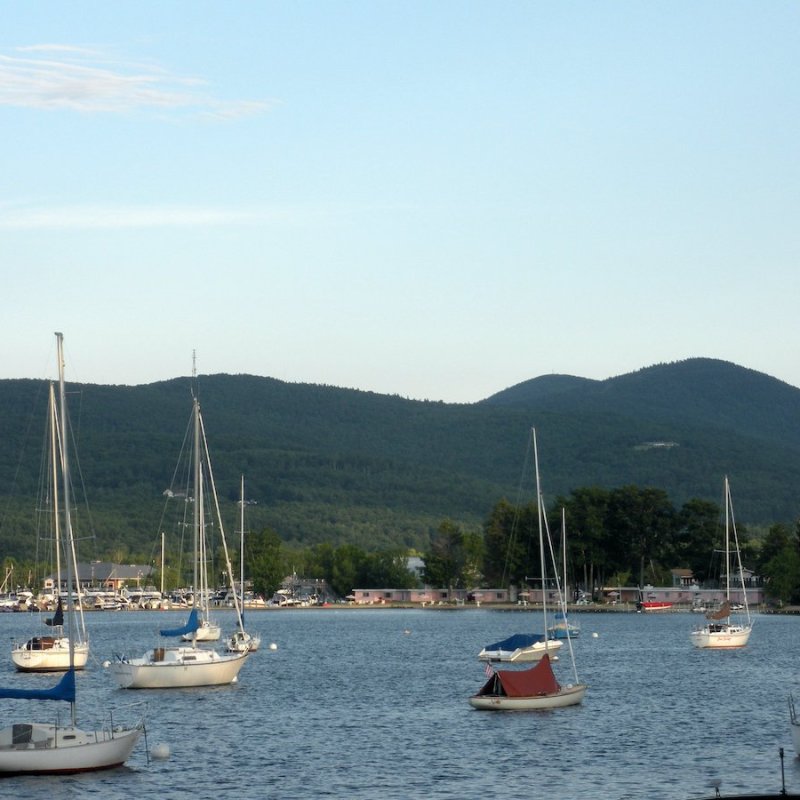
325 464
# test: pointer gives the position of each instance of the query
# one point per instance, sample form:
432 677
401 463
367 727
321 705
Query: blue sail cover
516 641
63 690
192 624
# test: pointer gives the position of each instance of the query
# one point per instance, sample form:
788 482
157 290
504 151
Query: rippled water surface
372 704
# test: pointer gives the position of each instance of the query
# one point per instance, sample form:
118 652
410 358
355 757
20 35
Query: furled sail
723 612
58 618
63 690
192 624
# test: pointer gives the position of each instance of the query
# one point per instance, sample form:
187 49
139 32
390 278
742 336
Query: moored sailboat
563 627
242 640
181 666
522 647
721 630
50 650
45 748
536 687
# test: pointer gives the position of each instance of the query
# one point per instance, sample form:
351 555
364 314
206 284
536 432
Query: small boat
720 631
241 641
178 667
52 748
207 631
651 606
526 690
520 647
523 647
562 626
536 687
182 666
50 651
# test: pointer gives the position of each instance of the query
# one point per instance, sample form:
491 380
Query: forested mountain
338 465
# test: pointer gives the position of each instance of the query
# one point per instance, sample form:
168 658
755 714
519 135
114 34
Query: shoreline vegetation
593 608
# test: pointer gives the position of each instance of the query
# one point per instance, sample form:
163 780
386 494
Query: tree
780 564
387 569
447 563
641 523
264 562
697 530
586 511
507 539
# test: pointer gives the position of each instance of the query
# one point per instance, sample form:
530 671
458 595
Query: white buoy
106 664
273 646
160 752
595 635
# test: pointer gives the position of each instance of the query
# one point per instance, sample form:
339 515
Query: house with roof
105 575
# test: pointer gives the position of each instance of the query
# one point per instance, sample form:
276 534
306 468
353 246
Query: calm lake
372 704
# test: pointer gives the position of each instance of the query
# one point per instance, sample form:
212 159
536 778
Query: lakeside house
105 575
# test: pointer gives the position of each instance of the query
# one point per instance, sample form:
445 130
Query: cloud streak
51 77
125 217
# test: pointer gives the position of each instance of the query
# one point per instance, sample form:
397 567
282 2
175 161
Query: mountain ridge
346 465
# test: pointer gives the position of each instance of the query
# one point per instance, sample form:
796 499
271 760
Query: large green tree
265 563
640 524
453 559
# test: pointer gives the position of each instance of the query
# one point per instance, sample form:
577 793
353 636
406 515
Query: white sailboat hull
207 632
178 668
721 636
522 654
54 658
42 749
566 696
242 642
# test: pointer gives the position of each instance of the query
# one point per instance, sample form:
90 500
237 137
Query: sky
424 198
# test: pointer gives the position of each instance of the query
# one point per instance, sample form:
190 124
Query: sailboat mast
198 512
162 565
564 547
54 480
70 556
727 541
541 534
215 498
241 546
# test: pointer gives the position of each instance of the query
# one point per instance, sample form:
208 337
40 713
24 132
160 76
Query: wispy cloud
53 77
121 217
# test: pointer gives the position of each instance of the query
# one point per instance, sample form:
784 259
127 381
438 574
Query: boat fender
160 752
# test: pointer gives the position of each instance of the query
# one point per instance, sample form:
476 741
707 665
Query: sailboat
185 665
50 651
536 687
241 640
44 748
562 626
522 647
720 631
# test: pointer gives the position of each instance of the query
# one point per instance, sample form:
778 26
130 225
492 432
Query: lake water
372 704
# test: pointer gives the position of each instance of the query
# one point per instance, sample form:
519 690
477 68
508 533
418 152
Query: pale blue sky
432 199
